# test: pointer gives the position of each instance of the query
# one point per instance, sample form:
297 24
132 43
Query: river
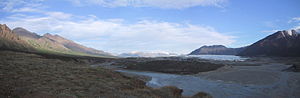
245 82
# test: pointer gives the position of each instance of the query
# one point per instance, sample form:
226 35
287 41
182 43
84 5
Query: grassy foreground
24 75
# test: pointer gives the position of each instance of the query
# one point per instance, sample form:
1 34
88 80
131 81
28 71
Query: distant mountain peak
47 34
20 28
286 33
4 26
5 29
216 50
53 35
23 32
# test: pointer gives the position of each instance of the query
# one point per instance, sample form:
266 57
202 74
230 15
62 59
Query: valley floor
260 77
25 75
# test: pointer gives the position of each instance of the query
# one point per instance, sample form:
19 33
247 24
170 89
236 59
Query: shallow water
217 88
219 57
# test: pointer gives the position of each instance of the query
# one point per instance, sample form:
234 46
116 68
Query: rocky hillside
216 50
74 46
56 43
11 41
281 43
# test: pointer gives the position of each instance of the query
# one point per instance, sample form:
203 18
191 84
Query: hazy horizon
174 26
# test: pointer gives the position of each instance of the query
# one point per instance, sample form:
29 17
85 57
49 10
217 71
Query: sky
175 26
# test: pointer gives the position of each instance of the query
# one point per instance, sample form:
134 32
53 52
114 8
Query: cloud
270 31
116 34
166 4
21 5
58 15
296 18
25 9
271 24
297 21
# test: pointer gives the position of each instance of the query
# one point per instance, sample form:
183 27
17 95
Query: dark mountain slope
281 43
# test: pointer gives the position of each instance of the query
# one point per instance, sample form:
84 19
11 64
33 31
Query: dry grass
34 76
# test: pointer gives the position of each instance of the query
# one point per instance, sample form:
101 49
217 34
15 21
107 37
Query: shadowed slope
281 43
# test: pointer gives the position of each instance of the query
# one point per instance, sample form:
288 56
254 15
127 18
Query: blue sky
177 26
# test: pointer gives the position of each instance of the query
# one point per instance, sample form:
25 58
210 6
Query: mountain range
281 43
216 50
24 40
